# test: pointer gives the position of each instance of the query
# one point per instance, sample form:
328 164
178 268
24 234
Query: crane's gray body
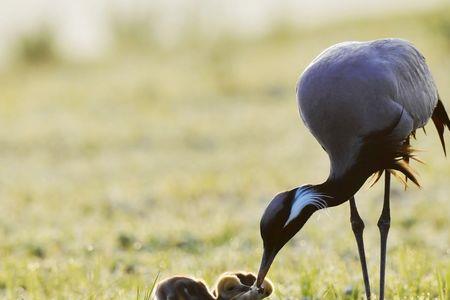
353 89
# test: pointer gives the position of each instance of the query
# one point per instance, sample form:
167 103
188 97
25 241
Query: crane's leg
384 222
358 228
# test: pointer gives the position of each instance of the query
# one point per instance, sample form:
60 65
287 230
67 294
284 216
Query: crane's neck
337 190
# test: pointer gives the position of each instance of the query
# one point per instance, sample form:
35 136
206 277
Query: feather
305 195
381 151
376 176
440 120
401 166
406 158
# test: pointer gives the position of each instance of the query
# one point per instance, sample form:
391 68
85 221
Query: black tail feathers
440 120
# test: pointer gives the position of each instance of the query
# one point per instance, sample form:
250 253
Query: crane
362 101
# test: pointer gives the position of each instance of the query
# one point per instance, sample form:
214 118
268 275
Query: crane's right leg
358 228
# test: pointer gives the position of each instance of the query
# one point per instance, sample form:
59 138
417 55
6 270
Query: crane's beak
266 262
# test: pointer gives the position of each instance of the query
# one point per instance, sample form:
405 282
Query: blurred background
140 138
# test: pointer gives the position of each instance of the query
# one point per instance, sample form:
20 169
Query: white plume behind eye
304 196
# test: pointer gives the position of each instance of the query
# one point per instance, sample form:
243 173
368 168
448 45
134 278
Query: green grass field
156 160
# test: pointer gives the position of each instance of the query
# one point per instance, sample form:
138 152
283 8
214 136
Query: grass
162 160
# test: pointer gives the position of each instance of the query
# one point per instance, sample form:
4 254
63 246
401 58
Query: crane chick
229 286
241 286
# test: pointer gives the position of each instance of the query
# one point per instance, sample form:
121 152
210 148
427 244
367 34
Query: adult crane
362 101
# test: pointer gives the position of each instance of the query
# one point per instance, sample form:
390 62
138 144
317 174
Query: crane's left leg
384 222
358 228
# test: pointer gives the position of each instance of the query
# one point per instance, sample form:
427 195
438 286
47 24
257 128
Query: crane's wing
414 87
416 91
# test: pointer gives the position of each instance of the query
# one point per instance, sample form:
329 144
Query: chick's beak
266 262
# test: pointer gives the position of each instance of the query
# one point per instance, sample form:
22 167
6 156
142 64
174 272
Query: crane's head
283 218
